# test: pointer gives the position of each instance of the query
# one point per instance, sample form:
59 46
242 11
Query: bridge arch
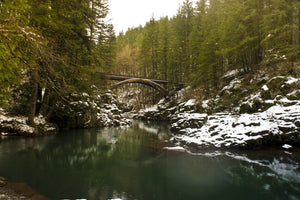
147 82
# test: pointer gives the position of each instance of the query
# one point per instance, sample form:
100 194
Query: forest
208 38
49 49
52 48
227 125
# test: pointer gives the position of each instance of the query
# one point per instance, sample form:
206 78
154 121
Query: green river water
132 164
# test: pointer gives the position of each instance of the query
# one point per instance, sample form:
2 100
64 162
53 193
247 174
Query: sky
126 14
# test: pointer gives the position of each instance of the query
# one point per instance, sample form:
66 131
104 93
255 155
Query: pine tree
164 45
149 48
182 28
49 41
281 22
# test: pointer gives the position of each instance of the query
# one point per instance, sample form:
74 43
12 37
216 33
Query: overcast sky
126 14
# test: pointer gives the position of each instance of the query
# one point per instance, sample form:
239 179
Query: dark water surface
131 164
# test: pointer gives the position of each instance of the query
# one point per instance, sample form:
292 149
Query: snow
292 80
18 125
293 93
285 100
205 104
105 105
287 146
181 92
225 129
177 148
150 109
231 73
85 94
276 77
265 88
190 102
253 98
235 83
18 122
274 120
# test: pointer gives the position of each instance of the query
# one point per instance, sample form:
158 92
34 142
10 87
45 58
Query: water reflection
130 163
282 164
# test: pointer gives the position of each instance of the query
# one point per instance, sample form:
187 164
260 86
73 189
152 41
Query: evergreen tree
199 45
281 23
164 46
12 41
149 48
182 25
53 43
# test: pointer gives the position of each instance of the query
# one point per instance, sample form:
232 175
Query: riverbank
83 111
13 125
267 114
18 191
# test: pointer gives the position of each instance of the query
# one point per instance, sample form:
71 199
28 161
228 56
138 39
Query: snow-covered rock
287 146
177 148
276 125
266 112
187 120
17 125
93 110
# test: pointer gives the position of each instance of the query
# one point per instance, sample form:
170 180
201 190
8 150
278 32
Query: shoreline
16 191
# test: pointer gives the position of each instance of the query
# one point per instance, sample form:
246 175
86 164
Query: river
131 164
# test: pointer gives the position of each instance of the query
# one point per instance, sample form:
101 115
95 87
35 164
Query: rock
286 128
2 181
287 146
295 95
214 134
273 120
297 123
89 111
17 126
250 131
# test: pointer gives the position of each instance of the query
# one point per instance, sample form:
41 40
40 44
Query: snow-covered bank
266 114
278 125
90 111
83 111
17 125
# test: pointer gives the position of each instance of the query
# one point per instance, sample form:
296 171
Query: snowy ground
278 124
274 118
84 111
17 125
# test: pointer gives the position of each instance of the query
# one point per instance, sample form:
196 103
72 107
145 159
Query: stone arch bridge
157 84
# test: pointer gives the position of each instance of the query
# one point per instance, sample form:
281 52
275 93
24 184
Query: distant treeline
207 38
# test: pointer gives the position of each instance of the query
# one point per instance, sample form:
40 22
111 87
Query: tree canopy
49 49
207 38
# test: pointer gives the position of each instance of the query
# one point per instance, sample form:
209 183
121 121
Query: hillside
249 111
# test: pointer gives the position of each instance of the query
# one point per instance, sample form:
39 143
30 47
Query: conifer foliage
207 38
49 49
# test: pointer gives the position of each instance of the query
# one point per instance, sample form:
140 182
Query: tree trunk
51 106
45 103
34 93
298 26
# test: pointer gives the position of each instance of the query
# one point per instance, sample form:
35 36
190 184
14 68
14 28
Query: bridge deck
123 78
118 77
